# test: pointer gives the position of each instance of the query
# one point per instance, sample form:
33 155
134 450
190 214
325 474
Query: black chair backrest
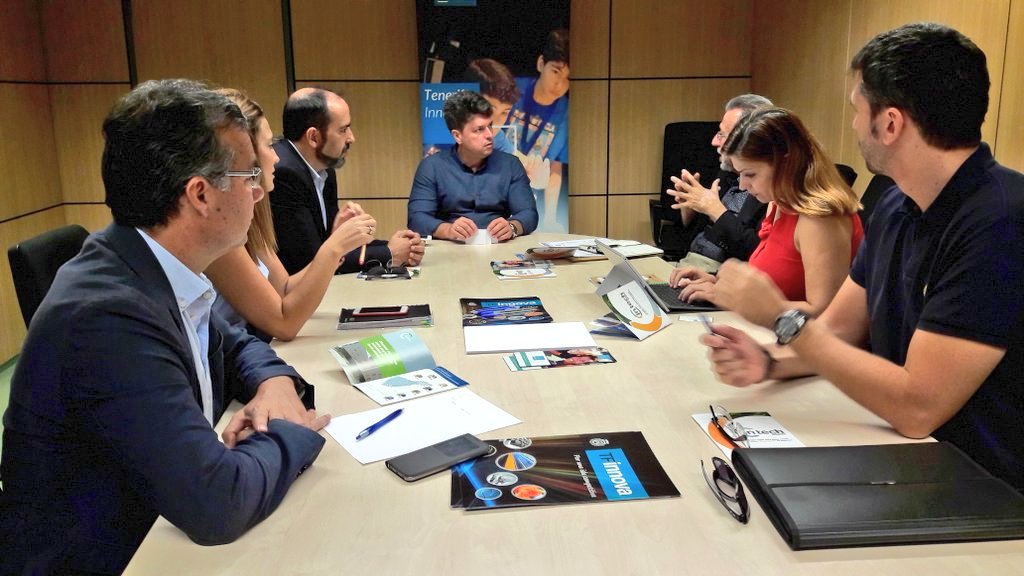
878 184
688 145
35 261
848 174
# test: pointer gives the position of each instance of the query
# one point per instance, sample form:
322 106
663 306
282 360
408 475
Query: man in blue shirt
935 291
471 186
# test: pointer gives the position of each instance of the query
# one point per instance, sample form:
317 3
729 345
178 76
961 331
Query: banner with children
516 54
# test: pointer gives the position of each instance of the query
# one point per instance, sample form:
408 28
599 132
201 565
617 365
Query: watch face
788 325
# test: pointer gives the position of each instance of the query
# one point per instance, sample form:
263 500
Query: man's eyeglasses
252 176
732 430
375 271
725 485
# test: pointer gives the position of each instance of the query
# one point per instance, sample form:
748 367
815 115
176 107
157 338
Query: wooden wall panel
587 215
1009 142
391 215
71 26
640 110
588 38
588 137
21 43
92 217
983 21
27 151
804 36
384 157
11 233
78 113
365 40
230 44
629 217
655 38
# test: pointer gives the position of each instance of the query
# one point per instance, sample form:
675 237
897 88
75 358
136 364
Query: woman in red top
811 231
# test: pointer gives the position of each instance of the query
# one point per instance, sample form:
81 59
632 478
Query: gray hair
158 136
747 102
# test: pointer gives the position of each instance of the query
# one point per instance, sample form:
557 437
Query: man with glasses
935 290
472 186
126 369
317 137
723 221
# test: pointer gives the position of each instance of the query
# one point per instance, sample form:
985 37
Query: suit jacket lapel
287 154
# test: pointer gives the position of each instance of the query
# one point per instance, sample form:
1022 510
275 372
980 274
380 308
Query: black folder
844 496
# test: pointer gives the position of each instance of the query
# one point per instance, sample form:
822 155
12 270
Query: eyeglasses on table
733 431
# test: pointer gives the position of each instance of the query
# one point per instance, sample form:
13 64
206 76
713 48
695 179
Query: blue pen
378 424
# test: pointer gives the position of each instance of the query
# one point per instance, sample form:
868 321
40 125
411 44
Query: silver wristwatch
789 324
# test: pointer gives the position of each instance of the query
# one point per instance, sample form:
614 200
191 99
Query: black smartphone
432 459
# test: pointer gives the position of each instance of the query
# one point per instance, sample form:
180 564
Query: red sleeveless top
777 256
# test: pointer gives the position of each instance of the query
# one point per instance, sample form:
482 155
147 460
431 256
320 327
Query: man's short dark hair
158 136
934 74
495 80
303 113
556 47
460 107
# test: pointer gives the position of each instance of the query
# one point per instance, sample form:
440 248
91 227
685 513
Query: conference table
342 517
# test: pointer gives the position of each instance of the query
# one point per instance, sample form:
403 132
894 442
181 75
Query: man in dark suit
317 137
126 369
722 222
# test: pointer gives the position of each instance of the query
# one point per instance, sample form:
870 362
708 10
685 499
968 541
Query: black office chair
35 261
686 145
876 187
848 174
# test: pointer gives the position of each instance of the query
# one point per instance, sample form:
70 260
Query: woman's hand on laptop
685 275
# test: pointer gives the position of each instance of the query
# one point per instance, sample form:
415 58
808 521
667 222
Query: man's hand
736 358
462 229
749 292
275 398
500 229
416 248
691 195
351 209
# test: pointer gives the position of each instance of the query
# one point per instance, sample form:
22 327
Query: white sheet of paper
423 422
517 337
481 238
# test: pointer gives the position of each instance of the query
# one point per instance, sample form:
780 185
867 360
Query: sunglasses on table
726 487
374 270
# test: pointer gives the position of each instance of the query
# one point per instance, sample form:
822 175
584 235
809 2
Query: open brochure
522 269
599 467
393 367
762 431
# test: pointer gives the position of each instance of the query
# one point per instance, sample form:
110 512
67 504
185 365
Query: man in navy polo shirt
472 186
935 291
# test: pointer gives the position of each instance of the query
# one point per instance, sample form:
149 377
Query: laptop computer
666 297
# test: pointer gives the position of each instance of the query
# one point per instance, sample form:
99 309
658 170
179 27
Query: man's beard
332 162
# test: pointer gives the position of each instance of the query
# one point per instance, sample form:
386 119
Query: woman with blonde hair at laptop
811 231
253 286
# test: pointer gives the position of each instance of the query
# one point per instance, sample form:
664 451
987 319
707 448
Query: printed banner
516 54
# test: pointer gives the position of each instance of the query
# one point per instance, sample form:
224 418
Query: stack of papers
586 249
522 269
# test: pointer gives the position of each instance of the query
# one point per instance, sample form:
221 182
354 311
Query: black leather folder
844 496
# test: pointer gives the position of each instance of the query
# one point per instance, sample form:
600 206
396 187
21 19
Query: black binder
844 496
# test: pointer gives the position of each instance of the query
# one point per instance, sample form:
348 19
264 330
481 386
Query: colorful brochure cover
387 354
543 359
496 311
601 467
415 384
762 431
522 269
635 309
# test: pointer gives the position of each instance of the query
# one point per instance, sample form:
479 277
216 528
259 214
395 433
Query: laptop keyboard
670 296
